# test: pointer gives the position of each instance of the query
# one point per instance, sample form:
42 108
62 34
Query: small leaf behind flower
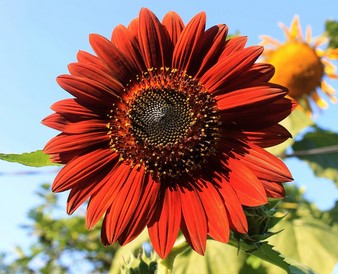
34 159
323 164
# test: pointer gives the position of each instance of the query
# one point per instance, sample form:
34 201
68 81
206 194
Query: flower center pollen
167 122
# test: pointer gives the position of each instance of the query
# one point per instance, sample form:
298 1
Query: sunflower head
167 130
301 65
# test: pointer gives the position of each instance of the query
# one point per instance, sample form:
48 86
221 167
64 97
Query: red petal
64 142
248 188
265 165
273 189
218 224
80 193
82 169
143 212
257 118
212 46
174 25
120 66
87 91
229 66
58 122
124 205
87 58
55 121
254 97
188 44
258 74
234 44
165 224
194 223
127 43
92 73
104 197
154 40
268 137
233 206
133 26
73 111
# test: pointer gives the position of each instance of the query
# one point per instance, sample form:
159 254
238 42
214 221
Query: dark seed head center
167 122
160 117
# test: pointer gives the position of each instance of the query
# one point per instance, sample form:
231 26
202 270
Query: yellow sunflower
301 65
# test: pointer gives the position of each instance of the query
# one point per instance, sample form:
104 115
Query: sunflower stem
166 266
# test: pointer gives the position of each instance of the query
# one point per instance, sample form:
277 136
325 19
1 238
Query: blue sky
39 38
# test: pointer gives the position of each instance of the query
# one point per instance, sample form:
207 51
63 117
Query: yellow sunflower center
298 67
167 122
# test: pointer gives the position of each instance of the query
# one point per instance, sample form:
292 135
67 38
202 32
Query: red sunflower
167 130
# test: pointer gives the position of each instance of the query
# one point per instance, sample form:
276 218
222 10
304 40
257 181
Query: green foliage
127 254
331 27
313 243
60 244
324 162
140 264
34 159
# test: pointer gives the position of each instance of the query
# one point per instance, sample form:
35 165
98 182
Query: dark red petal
92 73
81 192
234 44
124 204
65 142
174 25
255 75
119 64
188 43
87 91
154 40
218 224
143 212
55 121
248 188
81 169
194 222
73 111
87 58
212 46
268 137
274 190
257 118
59 122
165 223
127 43
233 206
251 97
229 66
265 165
101 200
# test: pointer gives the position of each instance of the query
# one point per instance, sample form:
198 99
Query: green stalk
165 266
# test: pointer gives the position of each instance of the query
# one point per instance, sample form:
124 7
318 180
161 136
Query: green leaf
309 242
295 123
217 258
268 254
220 256
323 164
332 31
35 159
